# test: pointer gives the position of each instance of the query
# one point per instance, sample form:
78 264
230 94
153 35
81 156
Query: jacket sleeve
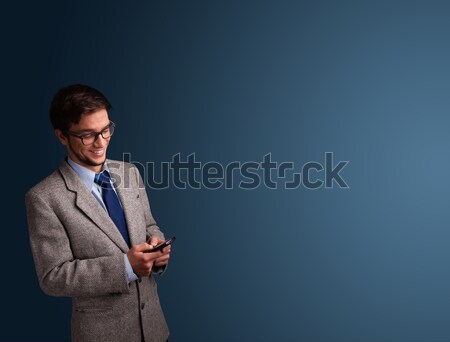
152 228
59 273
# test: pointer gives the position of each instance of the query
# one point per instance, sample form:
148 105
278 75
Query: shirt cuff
130 274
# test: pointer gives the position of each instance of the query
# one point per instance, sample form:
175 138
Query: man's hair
73 101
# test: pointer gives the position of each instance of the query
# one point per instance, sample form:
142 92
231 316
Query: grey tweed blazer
78 252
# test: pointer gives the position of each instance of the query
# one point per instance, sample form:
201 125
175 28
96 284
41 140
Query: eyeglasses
91 137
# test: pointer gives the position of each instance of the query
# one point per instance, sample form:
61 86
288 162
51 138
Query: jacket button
142 306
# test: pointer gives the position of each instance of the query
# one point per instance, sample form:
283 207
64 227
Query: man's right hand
141 262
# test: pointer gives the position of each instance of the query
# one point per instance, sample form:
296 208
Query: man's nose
100 141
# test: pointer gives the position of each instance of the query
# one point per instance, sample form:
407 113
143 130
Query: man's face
90 156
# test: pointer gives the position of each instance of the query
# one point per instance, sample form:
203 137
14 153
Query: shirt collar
86 175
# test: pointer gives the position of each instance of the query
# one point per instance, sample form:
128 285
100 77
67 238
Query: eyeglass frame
96 134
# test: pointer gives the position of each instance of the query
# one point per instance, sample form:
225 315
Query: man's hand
164 255
141 262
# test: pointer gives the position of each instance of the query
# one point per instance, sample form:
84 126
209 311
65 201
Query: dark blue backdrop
233 81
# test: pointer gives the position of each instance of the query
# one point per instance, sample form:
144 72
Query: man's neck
93 168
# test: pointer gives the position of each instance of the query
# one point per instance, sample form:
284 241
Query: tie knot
103 179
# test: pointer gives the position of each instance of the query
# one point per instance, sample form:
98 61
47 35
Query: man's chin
96 161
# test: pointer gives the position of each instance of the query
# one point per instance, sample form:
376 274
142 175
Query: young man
91 228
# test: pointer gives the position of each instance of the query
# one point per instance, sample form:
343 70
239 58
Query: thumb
142 247
153 241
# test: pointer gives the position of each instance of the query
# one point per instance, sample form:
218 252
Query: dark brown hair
73 101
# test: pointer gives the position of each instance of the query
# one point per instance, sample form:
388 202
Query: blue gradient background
234 80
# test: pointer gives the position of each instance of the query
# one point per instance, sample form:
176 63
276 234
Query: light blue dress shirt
88 176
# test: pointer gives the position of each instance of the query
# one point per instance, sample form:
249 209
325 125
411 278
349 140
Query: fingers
154 240
145 247
163 260
142 263
140 248
139 254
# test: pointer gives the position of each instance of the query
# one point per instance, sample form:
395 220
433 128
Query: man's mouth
98 152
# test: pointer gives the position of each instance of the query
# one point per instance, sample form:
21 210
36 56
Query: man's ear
61 137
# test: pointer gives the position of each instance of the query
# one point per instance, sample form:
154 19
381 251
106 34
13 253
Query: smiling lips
98 152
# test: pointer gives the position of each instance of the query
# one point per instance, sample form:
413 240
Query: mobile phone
161 245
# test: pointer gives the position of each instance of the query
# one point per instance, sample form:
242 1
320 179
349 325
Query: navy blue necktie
112 204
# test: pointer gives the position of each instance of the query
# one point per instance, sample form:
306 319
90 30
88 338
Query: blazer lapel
87 203
128 196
